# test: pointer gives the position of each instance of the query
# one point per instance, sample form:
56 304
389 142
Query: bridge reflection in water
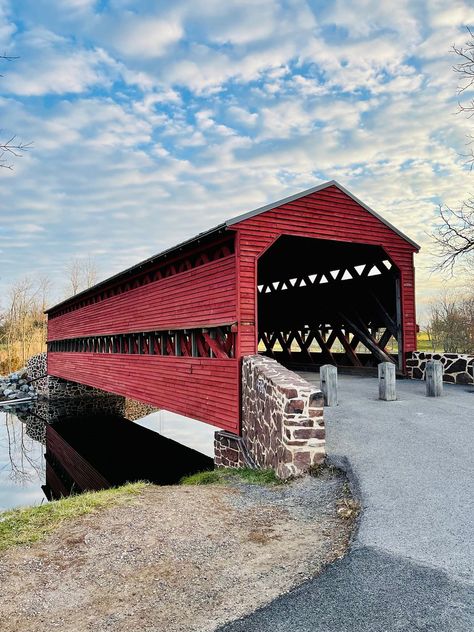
91 449
96 453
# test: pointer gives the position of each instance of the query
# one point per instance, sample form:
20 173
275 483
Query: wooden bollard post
387 388
434 378
328 374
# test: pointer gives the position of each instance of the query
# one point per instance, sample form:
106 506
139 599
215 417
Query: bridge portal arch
326 301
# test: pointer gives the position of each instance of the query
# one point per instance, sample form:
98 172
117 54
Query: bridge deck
413 459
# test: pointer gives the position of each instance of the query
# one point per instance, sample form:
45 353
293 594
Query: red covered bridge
315 278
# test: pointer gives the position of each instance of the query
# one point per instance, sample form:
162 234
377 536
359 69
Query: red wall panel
202 388
202 296
327 214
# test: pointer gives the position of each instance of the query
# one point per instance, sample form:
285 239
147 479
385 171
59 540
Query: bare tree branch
81 274
454 236
14 148
11 148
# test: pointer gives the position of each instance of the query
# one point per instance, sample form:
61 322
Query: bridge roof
223 227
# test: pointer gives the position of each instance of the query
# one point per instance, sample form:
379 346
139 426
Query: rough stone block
316 399
294 406
302 459
309 433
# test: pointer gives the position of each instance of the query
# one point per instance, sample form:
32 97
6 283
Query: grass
30 524
423 343
222 476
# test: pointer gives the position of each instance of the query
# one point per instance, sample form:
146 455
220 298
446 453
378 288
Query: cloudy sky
152 120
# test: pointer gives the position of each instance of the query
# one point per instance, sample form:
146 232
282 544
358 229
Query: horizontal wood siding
201 296
327 214
202 388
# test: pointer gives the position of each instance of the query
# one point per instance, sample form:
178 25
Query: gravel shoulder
176 558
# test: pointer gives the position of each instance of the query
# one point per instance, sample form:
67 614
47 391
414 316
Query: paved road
411 566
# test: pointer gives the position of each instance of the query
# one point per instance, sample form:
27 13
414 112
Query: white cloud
158 124
57 73
242 116
143 37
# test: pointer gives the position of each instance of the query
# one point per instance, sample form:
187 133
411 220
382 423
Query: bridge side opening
328 302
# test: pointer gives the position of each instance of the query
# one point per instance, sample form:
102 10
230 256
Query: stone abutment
282 421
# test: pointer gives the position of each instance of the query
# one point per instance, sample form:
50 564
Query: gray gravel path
411 566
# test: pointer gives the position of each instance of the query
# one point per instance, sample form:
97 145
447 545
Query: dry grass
348 508
30 524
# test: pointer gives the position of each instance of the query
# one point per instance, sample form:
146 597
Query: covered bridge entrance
314 278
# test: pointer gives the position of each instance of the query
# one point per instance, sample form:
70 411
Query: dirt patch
175 558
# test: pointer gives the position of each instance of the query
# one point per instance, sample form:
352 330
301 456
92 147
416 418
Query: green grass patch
222 476
30 524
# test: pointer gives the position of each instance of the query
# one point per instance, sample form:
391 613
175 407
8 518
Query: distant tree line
451 324
23 323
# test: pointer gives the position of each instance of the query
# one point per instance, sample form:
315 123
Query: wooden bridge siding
327 214
205 295
201 388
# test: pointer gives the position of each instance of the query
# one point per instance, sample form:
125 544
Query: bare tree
465 68
81 274
73 273
89 272
12 147
23 323
455 233
454 236
451 324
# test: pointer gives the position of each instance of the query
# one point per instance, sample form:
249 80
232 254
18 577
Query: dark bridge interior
330 302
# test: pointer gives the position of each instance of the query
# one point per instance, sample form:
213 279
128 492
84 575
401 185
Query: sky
151 121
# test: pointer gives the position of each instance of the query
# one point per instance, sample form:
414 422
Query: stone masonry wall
231 451
282 421
37 371
458 368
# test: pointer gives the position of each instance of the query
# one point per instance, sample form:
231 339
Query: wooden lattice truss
350 310
212 342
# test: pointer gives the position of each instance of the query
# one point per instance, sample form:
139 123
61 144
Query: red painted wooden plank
209 393
188 299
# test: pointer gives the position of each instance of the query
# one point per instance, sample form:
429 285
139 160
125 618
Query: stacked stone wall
458 368
282 421
230 451
37 372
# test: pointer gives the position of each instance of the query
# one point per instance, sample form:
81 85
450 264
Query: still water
40 460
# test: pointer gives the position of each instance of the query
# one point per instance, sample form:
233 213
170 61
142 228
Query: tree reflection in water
22 466
25 461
